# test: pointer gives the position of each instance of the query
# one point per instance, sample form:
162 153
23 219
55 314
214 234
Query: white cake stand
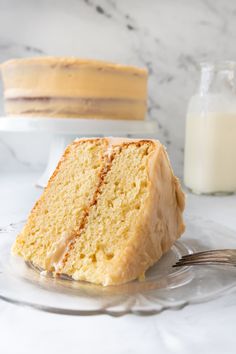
64 130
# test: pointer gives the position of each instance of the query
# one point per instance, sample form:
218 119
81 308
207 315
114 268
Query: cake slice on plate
111 209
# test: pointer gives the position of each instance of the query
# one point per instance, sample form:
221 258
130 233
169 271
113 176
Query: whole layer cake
111 209
71 87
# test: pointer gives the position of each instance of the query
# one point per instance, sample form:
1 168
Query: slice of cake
109 212
71 87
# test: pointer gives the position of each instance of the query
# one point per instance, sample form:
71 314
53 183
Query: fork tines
212 257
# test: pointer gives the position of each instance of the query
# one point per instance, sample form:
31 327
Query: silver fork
212 257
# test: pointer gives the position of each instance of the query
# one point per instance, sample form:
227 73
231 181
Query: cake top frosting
73 61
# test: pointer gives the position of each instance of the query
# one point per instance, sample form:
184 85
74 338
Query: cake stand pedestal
65 130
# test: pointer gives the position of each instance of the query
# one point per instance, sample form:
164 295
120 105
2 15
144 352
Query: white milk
210 147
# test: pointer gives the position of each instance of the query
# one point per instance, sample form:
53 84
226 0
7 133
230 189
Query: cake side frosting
86 82
161 221
71 86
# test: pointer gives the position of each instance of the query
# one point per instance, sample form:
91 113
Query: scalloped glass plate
164 287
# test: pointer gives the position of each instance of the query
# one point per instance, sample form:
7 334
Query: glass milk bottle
210 144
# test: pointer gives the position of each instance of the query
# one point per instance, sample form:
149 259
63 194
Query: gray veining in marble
169 37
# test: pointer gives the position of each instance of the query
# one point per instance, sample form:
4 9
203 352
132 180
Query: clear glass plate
164 287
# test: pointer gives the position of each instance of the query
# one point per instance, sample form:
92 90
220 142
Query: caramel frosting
162 220
74 107
75 62
55 255
71 86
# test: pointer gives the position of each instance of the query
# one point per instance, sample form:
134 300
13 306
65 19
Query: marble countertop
204 328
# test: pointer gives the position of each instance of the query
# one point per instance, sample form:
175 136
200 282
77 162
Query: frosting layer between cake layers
70 87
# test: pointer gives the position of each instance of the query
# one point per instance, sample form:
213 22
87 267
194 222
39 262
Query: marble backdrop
169 37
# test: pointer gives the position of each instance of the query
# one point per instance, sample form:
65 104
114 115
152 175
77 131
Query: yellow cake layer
109 85
133 213
61 209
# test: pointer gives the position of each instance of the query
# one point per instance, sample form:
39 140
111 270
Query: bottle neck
206 81
218 78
